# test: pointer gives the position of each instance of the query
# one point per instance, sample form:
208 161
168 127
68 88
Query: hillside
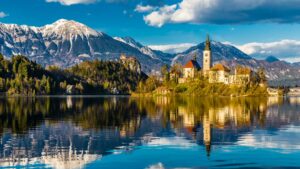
20 76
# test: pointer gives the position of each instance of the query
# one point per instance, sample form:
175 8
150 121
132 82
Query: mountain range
67 42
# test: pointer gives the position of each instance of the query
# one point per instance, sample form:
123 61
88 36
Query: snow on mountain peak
15 27
68 29
131 42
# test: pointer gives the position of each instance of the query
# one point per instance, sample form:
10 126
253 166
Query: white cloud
3 15
288 50
72 2
141 8
170 142
285 140
226 12
161 16
172 48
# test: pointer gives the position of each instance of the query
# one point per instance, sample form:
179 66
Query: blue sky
251 24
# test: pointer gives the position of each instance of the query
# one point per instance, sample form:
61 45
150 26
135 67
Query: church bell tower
207 63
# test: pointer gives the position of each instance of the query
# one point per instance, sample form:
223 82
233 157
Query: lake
149 133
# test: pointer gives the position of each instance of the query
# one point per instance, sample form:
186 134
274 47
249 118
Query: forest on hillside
20 76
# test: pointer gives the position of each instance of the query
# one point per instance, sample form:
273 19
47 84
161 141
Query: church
217 73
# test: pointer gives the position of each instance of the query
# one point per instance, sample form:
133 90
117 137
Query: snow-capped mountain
67 29
67 42
231 56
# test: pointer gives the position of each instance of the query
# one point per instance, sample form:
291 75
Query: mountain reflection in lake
163 132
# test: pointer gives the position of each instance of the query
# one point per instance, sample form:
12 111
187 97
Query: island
210 80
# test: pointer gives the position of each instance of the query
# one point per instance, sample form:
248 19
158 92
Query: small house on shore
273 91
190 69
294 91
219 74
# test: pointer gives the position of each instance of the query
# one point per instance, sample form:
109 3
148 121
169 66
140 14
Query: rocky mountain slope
231 56
155 54
220 52
66 42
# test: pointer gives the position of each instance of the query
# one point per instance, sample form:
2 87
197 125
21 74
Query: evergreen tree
1 57
262 75
2 85
48 86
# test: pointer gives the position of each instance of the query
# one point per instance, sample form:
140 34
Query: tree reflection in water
68 132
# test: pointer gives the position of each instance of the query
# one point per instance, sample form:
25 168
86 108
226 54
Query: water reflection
71 132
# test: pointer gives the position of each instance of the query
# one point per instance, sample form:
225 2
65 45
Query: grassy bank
203 88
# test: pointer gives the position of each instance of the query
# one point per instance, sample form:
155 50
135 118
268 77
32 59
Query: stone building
131 63
190 69
219 74
294 91
242 75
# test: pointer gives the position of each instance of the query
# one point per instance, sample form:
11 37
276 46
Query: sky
258 27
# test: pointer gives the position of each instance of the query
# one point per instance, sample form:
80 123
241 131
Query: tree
79 87
165 73
151 83
63 85
48 86
23 69
261 75
1 57
37 85
176 71
2 85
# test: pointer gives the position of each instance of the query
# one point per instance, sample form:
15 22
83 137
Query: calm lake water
152 133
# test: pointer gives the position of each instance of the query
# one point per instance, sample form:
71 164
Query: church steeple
207 43
207 57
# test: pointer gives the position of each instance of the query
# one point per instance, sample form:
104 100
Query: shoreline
140 95
62 96
195 95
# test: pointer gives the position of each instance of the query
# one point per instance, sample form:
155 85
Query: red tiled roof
192 64
220 67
